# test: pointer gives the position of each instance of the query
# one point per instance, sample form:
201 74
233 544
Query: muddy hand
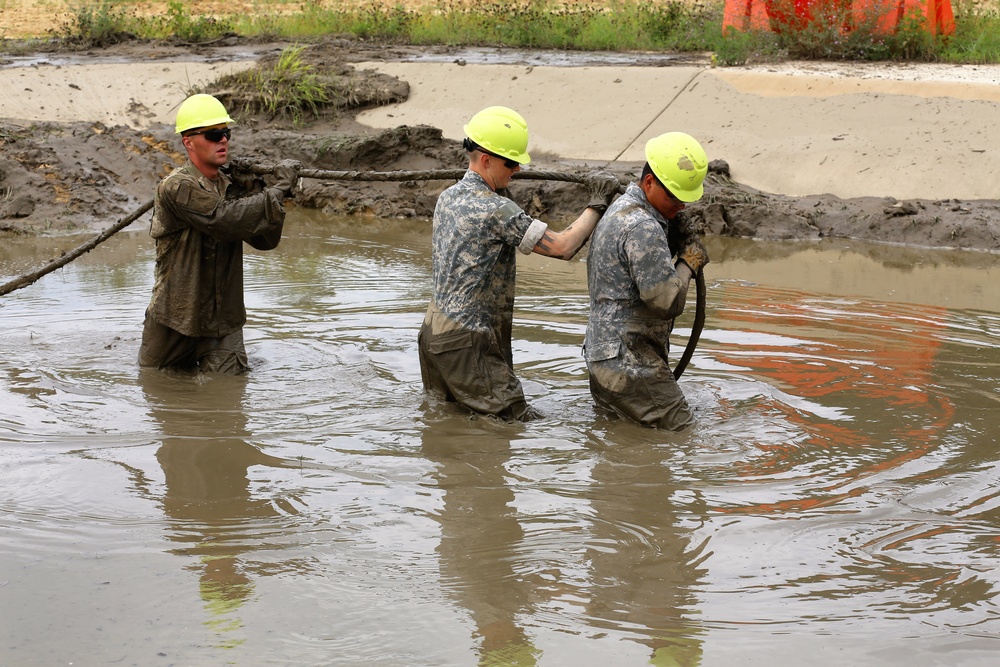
242 164
602 186
694 255
241 172
286 176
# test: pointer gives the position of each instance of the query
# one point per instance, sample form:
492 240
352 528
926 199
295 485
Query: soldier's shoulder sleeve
517 228
183 193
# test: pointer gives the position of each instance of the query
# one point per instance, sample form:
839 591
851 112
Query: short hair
646 169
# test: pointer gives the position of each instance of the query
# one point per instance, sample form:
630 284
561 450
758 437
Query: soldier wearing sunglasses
465 340
202 216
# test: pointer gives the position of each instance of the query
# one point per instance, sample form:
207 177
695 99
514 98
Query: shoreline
896 158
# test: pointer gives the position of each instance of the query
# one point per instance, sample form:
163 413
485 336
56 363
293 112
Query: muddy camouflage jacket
635 293
200 227
476 233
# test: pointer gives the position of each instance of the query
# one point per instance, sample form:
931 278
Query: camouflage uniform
635 294
196 315
464 343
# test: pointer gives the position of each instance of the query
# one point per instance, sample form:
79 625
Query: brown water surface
837 503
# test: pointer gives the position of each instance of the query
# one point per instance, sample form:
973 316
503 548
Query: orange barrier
884 15
937 16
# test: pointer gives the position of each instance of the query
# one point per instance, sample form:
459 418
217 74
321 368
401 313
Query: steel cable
372 176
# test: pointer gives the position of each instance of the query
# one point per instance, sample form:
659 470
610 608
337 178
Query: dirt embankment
59 177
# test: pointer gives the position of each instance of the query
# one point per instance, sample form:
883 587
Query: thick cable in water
323 174
320 174
696 326
66 258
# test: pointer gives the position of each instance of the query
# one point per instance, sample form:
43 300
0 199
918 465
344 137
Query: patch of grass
180 24
977 34
105 22
287 88
741 48
615 25
96 24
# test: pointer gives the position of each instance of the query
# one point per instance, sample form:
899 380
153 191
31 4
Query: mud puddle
833 505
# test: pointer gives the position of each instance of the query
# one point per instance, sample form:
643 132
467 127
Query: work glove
602 186
694 255
242 164
286 176
680 232
245 181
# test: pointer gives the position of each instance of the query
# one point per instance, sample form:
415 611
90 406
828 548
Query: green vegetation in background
97 24
288 87
977 34
105 22
614 25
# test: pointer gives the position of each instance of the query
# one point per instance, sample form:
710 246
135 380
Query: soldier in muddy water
465 340
637 288
202 216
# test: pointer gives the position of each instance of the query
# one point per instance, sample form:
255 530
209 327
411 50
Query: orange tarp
884 15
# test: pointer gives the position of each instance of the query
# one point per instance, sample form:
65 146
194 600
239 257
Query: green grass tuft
287 88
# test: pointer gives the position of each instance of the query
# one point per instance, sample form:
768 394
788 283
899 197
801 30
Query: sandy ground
137 94
809 134
906 131
794 129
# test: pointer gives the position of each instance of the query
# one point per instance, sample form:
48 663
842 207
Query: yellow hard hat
501 131
680 163
201 110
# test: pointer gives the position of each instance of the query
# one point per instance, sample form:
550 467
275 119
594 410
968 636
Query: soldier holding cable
201 219
465 339
637 288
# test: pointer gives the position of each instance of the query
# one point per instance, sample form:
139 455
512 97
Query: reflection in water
212 512
480 534
845 365
643 569
633 575
868 472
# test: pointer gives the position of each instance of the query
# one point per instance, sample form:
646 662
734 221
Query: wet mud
60 178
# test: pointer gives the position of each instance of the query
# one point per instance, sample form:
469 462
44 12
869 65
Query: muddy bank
63 177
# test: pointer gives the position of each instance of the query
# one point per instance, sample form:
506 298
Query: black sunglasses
510 164
670 194
471 145
215 135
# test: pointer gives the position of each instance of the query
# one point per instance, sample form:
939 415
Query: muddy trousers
648 395
163 347
469 368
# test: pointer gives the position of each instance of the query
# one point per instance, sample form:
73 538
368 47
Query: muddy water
837 504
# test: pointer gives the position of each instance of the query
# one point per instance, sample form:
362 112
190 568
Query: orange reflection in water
855 376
